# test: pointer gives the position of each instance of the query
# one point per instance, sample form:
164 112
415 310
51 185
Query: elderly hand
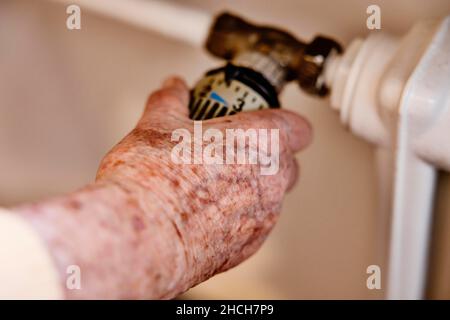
152 227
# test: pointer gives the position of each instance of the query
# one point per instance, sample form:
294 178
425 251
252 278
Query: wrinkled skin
150 228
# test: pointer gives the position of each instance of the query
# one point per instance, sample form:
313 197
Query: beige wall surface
66 97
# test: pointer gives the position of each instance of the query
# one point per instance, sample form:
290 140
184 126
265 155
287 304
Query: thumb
172 97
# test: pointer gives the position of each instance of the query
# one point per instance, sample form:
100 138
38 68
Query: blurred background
66 97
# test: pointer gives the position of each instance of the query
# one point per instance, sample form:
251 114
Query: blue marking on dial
213 95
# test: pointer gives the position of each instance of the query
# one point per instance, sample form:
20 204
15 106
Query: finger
293 174
296 129
173 97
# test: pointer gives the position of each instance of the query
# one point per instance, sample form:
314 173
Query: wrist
124 248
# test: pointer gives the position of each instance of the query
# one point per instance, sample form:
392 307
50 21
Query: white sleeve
27 270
